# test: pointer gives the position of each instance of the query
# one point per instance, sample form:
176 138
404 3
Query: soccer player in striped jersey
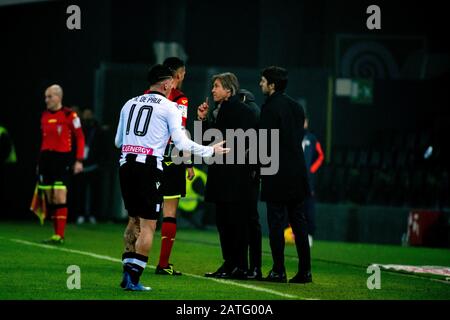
58 124
145 125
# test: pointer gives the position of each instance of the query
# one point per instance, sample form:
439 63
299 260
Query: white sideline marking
108 258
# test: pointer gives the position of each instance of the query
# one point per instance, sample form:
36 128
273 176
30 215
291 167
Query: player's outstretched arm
182 142
218 148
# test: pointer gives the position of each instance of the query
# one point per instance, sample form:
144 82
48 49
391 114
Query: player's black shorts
174 180
54 169
140 184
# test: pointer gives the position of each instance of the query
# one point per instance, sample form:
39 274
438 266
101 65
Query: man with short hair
145 125
174 175
58 124
286 190
230 186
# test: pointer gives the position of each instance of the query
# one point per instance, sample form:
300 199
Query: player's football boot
130 286
169 270
125 279
55 239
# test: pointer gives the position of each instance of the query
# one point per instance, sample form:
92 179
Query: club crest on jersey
59 129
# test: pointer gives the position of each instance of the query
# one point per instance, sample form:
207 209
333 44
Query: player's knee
60 196
148 226
170 208
59 201
170 213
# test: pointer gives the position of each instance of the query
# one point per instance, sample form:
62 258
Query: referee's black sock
135 265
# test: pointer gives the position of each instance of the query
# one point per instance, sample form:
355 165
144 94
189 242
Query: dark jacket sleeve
269 119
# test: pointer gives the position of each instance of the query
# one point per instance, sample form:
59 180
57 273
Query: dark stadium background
374 174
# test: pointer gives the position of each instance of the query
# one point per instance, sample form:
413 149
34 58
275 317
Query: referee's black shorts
174 180
140 184
54 169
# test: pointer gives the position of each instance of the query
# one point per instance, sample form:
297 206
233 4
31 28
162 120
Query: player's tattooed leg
131 234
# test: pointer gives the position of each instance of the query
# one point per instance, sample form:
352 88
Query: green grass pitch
31 271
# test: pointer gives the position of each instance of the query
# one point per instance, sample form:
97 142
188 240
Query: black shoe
256 274
169 270
302 278
220 273
238 274
276 277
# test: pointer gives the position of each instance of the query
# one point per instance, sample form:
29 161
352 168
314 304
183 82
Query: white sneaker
310 239
80 220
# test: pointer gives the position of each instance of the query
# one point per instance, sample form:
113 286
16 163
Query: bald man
58 124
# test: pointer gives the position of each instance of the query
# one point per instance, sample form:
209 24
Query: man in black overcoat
285 191
231 186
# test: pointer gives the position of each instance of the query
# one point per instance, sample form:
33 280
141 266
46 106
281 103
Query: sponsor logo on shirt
137 149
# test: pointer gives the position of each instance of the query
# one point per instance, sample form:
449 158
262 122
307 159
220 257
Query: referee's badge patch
157 185
76 123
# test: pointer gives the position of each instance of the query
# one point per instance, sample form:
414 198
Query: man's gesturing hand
218 148
202 110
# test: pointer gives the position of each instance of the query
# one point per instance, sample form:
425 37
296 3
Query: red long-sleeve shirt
318 162
57 129
182 102
178 96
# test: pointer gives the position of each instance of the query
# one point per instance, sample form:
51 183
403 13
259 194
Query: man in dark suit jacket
286 190
231 187
254 227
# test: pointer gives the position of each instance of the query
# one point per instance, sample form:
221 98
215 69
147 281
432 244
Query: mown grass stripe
108 258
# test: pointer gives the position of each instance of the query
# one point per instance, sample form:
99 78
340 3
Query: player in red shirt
58 124
174 179
174 176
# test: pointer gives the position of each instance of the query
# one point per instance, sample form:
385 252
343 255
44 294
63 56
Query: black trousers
310 214
232 224
276 217
254 237
84 196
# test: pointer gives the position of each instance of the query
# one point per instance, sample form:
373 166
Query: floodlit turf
30 270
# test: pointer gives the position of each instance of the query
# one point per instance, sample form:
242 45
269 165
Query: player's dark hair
276 75
158 73
173 63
